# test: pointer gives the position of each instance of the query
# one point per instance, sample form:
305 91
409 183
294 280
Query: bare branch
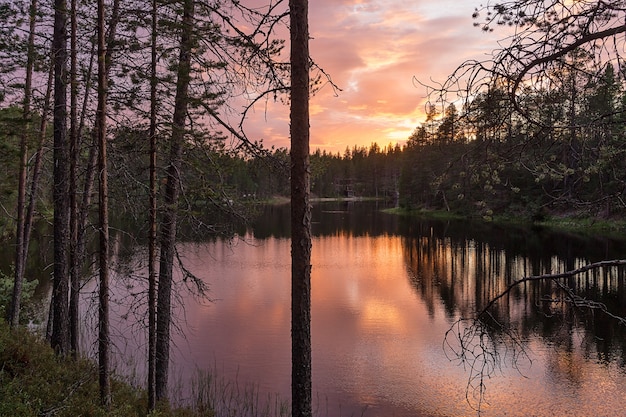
544 277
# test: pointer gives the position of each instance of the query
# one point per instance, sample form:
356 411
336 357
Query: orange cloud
372 49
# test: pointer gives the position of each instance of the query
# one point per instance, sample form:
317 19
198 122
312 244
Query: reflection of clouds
379 316
374 341
566 365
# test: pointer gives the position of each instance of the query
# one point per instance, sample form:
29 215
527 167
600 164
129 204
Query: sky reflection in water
377 342
381 304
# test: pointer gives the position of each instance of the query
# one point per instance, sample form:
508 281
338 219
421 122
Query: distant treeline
566 154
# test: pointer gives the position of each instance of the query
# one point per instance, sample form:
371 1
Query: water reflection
329 219
464 270
385 290
465 273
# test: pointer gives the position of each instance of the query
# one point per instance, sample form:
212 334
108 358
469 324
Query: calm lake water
385 290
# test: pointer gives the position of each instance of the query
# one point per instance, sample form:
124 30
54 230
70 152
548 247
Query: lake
385 291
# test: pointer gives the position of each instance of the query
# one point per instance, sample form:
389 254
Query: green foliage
570 160
35 382
27 303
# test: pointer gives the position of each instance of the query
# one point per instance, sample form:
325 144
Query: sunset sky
373 49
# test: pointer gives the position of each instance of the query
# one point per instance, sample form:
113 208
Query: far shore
285 200
570 222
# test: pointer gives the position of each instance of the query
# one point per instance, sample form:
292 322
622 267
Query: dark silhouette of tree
172 191
152 213
60 339
104 341
535 55
526 111
301 379
20 232
74 267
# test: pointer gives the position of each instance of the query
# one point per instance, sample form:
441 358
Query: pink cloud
372 49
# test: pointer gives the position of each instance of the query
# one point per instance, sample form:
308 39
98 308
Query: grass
36 382
429 214
583 225
586 225
214 396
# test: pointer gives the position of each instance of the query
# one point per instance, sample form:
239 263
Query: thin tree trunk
14 312
85 202
34 185
60 329
74 266
152 237
172 190
20 233
103 316
300 213
90 173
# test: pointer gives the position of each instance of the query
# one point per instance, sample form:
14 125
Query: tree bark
20 233
172 190
90 173
103 316
34 184
300 213
152 218
73 258
60 329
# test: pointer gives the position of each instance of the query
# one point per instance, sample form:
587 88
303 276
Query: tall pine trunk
103 296
60 339
83 209
20 233
37 167
172 190
73 258
300 213
152 217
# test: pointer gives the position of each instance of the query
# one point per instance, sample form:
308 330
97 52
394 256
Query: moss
34 382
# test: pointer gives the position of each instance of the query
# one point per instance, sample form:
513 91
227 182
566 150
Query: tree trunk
300 213
60 329
92 162
74 264
152 227
34 184
20 233
172 190
103 316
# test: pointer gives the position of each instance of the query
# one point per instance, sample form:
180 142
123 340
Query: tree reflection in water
499 292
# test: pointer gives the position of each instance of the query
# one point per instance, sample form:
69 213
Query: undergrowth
34 381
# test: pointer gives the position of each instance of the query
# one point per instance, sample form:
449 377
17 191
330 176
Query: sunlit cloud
372 50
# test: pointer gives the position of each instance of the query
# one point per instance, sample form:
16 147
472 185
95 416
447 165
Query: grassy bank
35 382
573 223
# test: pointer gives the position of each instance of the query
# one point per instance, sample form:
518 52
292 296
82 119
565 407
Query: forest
483 160
133 110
